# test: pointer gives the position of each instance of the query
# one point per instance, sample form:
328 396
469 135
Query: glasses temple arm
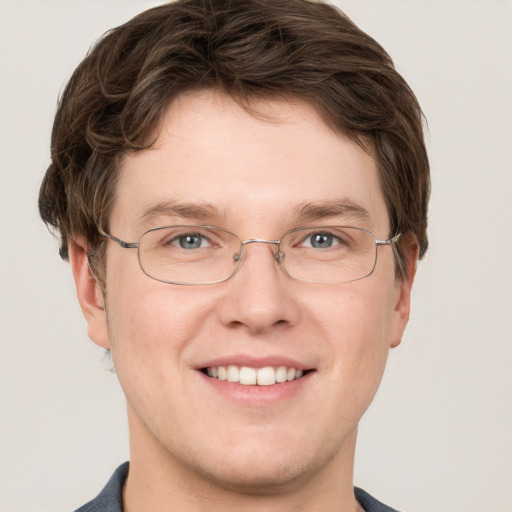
389 241
122 243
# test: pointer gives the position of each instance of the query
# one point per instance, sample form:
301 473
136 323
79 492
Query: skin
192 445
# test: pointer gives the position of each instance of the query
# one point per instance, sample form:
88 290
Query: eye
321 240
190 241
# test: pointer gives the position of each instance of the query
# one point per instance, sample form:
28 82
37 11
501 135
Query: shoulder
110 499
369 503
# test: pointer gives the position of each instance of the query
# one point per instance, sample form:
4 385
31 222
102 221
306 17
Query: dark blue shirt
110 498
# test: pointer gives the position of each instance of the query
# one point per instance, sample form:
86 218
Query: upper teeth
265 376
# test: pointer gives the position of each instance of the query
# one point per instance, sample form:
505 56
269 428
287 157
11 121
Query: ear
89 294
403 288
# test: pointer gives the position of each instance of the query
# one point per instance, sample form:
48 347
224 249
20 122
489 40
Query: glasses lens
189 254
329 254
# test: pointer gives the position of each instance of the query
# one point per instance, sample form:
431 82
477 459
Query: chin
263 467
257 477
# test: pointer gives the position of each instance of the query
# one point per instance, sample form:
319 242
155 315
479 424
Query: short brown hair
248 49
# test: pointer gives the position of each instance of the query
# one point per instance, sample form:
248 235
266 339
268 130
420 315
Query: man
241 188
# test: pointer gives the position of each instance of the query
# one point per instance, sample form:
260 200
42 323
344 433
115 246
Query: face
215 164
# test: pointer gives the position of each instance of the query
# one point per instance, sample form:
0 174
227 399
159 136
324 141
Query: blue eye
321 240
191 241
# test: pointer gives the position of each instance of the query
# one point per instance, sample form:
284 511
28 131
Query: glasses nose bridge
275 243
261 241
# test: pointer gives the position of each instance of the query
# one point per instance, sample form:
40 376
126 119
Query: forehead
214 160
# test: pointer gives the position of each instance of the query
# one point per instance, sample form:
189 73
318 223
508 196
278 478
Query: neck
158 482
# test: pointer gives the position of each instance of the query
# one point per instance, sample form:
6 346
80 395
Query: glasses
193 255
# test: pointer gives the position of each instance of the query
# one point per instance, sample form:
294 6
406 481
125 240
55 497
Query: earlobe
89 295
402 306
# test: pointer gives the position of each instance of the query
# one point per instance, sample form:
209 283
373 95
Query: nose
260 297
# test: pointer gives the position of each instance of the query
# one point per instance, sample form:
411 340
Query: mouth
249 376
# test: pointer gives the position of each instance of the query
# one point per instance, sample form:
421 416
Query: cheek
151 325
359 315
151 331
156 317
357 323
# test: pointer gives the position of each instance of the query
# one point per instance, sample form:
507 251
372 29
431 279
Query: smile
247 376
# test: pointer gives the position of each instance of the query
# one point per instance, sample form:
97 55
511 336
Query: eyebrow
314 211
189 211
304 212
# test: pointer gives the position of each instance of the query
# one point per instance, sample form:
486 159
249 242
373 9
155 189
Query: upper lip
254 362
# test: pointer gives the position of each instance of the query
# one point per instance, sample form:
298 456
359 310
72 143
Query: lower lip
257 395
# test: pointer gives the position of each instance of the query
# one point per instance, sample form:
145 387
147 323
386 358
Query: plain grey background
438 437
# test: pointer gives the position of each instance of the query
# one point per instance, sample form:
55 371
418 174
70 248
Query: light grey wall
438 437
